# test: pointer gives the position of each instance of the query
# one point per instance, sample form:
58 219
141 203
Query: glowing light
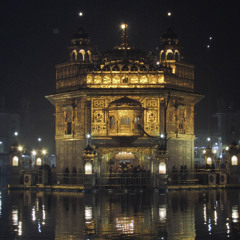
208 46
20 148
208 139
19 228
161 135
34 152
125 225
88 213
15 217
204 151
227 148
15 133
88 168
15 161
39 162
209 160
33 214
210 38
162 214
80 13
162 168
234 160
169 14
235 214
123 26
88 135
44 151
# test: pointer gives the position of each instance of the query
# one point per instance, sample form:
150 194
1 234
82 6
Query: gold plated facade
119 100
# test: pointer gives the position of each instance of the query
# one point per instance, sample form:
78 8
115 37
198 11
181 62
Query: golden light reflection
235 214
205 213
88 213
125 225
15 217
162 214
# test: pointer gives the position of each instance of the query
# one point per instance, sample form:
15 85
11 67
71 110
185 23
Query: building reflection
138 215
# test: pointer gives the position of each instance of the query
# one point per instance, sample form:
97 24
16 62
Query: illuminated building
122 102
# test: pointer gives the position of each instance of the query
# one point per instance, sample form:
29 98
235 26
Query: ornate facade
121 103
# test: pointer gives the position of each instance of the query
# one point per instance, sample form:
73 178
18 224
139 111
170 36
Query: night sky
35 35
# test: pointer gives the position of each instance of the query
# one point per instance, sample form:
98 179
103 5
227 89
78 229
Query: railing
125 180
68 178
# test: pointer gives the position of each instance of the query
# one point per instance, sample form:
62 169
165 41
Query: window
125 121
112 122
69 128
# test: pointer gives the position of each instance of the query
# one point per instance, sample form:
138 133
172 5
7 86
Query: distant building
9 124
123 103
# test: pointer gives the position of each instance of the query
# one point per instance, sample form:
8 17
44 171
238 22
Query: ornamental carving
151 116
153 103
98 116
98 103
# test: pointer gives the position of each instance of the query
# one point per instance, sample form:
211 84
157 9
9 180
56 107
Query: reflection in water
184 215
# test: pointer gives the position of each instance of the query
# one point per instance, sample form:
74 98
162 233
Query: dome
169 38
125 101
80 38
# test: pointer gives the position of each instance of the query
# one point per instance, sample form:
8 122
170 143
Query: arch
169 56
125 68
143 68
115 68
74 55
82 55
89 55
134 68
106 68
177 55
162 55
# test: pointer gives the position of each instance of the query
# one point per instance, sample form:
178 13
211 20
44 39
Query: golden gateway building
131 108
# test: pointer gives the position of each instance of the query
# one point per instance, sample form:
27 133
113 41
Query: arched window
106 68
163 56
125 121
170 56
143 68
125 68
89 55
82 55
74 55
115 68
176 56
134 68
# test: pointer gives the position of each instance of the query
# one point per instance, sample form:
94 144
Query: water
119 215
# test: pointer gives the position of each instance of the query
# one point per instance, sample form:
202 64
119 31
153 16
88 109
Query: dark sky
35 35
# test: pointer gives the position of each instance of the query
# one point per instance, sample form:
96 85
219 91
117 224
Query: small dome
125 101
80 38
169 38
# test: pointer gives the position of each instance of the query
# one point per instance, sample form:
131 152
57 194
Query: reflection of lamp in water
162 168
125 225
88 213
235 214
162 214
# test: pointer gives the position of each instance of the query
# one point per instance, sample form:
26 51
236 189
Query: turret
80 49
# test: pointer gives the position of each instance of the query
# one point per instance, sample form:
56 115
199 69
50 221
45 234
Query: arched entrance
124 162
